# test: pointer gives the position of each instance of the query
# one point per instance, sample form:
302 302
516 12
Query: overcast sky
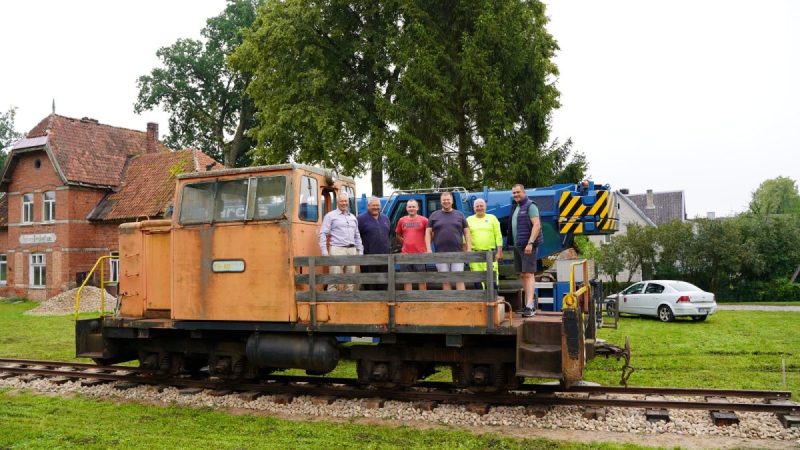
699 96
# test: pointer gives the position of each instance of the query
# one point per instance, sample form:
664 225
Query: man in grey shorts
447 231
525 235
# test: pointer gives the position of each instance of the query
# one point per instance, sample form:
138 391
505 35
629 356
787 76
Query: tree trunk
376 175
233 149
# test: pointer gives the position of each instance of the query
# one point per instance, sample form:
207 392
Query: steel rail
312 386
34 362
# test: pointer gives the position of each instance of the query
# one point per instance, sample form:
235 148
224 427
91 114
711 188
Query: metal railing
102 287
584 293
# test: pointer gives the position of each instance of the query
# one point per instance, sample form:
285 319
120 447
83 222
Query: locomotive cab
228 245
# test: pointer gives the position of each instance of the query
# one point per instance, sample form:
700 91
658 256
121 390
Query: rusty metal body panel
264 290
144 280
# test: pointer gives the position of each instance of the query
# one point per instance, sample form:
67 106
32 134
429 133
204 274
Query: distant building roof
665 206
148 184
635 209
86 151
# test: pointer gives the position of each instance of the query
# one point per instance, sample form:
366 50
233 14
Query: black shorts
412 268
524 263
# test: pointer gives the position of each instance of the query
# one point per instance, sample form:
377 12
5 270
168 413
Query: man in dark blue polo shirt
374 229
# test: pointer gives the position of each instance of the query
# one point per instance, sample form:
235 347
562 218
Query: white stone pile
64 303
764 427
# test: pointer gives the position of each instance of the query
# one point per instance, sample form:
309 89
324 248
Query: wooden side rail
308 276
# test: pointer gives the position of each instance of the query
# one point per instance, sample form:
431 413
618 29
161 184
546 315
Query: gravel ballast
64 303
764 427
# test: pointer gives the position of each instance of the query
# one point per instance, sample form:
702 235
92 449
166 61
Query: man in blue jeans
524 236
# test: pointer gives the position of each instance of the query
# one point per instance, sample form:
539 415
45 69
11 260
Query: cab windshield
254 198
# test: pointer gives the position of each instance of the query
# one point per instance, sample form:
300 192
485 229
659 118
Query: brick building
67 186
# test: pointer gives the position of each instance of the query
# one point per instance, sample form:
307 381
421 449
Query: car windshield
682 286
635 289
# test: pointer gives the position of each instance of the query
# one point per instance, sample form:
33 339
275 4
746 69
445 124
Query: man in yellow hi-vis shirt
485 233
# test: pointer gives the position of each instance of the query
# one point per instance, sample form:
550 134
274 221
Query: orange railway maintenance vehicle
234 281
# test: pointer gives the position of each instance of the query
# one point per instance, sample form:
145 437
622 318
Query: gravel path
688 428
734 307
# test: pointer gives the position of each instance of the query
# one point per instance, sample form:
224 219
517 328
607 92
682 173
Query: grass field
41 422
733 349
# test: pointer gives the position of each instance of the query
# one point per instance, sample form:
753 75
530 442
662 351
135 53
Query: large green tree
204 96
473 103
776 196
7 133
322 78
449 93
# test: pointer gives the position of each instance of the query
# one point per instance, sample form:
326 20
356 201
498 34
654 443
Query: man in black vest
524 236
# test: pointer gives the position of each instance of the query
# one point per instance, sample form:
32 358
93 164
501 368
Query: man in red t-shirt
410 233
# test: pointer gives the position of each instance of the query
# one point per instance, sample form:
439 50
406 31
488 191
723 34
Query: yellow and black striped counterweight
577 218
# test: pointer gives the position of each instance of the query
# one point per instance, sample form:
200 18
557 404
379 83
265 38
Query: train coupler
610 350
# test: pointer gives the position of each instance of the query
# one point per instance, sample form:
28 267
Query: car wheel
665 314
699 318
611 309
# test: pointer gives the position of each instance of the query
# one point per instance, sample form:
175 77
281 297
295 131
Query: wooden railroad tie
722 417
219 392
125 385
656 414
30 377
787 420
60 380
4 375
374 403
249 396
90 383
190 391
537 410
425 405
323 400
480 409
595 412
282 399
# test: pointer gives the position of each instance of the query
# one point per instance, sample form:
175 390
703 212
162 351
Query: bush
777 290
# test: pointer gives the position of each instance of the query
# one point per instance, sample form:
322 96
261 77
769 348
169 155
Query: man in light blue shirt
339 236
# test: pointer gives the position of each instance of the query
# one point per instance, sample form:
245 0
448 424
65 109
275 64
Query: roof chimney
152 137
650 204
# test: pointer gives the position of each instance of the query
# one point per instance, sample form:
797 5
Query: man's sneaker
528 312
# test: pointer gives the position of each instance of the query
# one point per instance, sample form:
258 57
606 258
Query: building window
49 201
3 270
113 263
27 208
38 271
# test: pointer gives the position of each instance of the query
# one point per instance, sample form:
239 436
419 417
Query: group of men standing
447 230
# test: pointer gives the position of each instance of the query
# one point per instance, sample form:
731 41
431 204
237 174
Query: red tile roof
89 152
148 184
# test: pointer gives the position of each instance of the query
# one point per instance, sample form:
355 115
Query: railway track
656 401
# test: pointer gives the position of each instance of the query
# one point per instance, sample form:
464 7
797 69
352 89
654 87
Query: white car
665 299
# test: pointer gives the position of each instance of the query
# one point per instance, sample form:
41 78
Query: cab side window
653 288
635 289
309 205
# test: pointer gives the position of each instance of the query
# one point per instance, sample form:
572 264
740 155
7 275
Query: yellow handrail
571 299
102 288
